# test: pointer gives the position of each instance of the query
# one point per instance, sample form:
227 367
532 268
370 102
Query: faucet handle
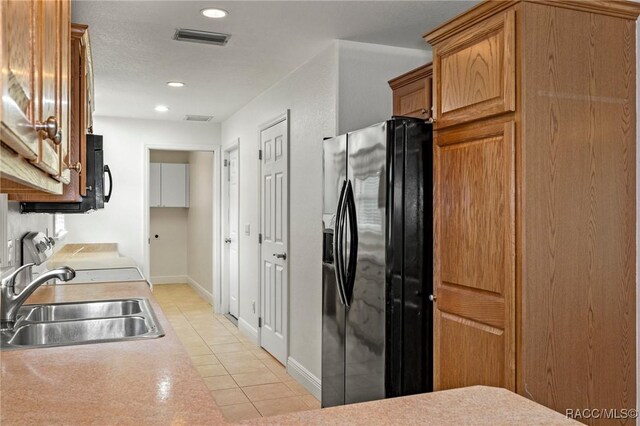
10 280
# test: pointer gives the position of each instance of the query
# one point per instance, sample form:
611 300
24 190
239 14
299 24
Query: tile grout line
192 316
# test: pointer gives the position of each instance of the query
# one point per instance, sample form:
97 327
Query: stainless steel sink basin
82 331
70 311
61 324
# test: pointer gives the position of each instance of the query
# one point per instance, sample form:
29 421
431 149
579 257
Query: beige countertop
135 382
152 382
476 405
90 256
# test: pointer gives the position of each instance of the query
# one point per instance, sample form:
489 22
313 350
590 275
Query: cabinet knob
424 111
77 167
58 139
432 298
50 129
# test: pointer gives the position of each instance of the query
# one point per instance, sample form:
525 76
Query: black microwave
96 192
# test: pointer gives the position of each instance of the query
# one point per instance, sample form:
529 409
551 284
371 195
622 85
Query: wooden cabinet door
474 270
18 86
63 98
412 93
47 71
475 72
414 99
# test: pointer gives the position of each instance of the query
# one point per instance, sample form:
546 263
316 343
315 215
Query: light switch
10 253
247 229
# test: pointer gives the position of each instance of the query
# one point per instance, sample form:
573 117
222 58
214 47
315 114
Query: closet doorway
180 219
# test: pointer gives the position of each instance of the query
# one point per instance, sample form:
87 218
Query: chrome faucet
10 302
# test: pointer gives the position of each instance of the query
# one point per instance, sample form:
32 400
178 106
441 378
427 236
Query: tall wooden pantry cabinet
534 166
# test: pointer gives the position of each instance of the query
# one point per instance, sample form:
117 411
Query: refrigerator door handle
337 244
353 243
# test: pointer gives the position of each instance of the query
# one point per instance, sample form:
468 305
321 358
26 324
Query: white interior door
274 249
232 235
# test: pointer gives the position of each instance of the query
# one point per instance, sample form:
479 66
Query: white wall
314 94
200 221
174 157
310 93
168 252
121 221
364 95
17 226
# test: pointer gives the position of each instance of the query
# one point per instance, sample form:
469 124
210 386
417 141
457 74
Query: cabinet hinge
259 322
226 162
260 238
259 154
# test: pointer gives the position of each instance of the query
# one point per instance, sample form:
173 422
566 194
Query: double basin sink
62 324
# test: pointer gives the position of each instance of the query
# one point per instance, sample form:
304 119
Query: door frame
224 284
146 220
285 116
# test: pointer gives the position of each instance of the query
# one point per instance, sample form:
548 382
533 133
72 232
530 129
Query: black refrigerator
377 262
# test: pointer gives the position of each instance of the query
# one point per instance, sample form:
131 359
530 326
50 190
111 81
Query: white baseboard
304 377
201 290
249 330
178 279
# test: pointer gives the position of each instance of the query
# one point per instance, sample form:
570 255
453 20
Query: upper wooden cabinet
477 71
78 123
35 95
412 93
535 208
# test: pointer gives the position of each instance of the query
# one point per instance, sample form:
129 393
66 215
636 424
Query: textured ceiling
134 54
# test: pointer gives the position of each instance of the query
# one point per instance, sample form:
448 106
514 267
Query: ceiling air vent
197 36
198 117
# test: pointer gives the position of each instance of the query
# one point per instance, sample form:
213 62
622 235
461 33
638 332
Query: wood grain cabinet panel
47 71
579 281
535 185
75 109
63 98
475 260
35 90
412 93
18 85
477 72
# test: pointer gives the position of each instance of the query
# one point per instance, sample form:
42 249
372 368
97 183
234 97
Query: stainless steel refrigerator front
353 335
333 310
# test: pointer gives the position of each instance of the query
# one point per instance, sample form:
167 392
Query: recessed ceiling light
175 84
214 13
161 108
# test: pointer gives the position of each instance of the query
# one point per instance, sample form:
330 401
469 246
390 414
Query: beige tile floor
245 380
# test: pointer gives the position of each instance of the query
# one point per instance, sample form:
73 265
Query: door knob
227 240
77 167
282 256
49 128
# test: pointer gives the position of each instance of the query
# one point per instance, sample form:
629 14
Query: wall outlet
247 229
